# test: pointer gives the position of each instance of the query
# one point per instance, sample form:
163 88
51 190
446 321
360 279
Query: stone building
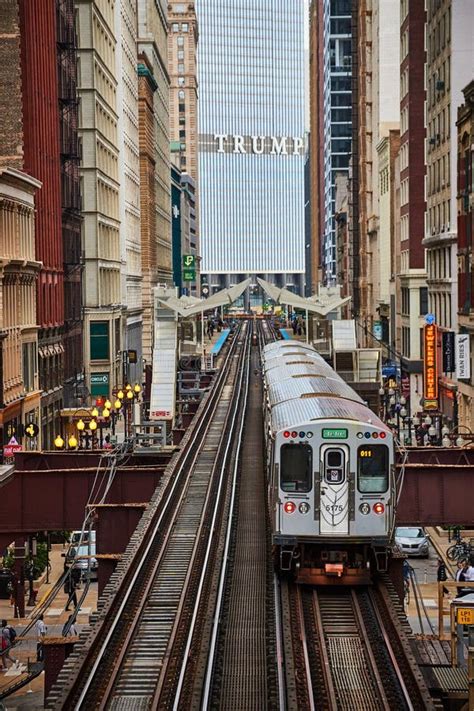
449 67
465 251
19 388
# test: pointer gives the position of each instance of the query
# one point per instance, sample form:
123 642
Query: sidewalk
31 696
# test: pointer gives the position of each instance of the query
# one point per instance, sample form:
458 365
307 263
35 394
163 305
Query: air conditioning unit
440 85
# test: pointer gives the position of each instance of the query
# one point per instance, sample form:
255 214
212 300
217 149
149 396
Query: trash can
6 577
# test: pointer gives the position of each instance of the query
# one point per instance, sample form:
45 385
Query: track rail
346 653
134 650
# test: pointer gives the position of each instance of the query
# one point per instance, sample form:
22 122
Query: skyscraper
251 140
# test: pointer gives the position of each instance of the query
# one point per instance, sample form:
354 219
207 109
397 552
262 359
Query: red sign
430 369
11 448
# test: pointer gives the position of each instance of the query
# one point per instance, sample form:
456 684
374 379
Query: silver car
412 541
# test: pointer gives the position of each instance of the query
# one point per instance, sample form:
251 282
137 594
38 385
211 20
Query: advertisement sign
430 366
377 330
463 356
448 352
11 448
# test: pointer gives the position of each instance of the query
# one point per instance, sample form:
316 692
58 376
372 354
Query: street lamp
59 442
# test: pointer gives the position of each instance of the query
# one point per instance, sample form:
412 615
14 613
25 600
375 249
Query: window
181 94
99 340
180 41
175 27
180 81
180 53
184 27
181 68
372 468
296 467
423 300
29 366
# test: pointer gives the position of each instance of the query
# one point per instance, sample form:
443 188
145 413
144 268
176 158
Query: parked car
79 557
412 541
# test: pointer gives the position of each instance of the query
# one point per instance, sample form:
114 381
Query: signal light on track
289 507
379 508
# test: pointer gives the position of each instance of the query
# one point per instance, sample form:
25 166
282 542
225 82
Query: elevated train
330 468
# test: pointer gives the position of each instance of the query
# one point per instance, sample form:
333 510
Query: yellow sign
465 615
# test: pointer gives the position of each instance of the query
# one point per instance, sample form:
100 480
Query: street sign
132 356
189 261
465 615
189 275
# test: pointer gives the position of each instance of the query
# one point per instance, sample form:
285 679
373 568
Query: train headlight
309 435
364 508
289 507
303 507
379 508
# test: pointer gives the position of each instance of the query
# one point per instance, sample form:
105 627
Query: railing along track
128 655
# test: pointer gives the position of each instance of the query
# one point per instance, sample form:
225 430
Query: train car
331 474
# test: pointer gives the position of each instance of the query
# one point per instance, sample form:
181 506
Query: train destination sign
335 433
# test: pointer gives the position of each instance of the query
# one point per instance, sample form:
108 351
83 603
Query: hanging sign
430 369
463 356
448 352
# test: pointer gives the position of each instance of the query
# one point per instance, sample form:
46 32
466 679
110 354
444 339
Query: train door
334 490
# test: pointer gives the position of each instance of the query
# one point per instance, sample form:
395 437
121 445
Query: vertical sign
448 352
463 356
430 369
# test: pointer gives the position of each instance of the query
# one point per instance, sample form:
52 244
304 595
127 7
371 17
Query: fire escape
70 195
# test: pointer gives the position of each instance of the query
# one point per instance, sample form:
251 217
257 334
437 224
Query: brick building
465 249
413 304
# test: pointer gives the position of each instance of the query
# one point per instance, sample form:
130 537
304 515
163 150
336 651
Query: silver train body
330 465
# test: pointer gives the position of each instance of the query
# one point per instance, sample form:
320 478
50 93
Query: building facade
251 141
449 67
71 219
413 304
153 44
20 400
41 141
465 224
337 116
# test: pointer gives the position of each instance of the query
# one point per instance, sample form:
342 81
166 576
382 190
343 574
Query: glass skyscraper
251 139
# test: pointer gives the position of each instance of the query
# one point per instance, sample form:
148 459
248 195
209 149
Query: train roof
302 386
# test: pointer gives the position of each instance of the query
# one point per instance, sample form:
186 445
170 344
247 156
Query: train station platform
219 342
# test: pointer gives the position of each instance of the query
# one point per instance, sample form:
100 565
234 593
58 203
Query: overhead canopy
224 297
315 304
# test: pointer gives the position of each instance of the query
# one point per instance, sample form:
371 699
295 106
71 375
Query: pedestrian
70 589
442 575
70 629
41 630
8 638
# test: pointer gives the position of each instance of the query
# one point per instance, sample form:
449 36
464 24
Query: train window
334 466
373 468
296 462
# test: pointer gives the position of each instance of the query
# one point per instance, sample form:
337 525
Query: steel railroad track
350 655
132 659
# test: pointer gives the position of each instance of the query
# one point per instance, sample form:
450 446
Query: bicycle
459 551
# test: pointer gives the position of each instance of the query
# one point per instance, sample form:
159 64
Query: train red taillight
286 434
379 508
289 507
382 435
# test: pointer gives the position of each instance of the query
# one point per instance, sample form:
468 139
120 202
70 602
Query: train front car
330 463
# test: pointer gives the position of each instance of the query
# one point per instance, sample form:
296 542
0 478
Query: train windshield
296 467
373 468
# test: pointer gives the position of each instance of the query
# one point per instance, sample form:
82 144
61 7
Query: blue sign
430 319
